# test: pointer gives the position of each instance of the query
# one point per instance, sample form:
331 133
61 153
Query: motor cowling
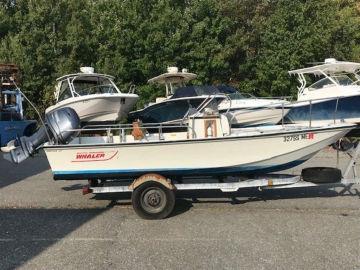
60 127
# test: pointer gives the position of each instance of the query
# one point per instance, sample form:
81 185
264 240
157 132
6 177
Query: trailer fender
152 177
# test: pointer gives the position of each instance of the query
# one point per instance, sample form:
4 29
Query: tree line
249 44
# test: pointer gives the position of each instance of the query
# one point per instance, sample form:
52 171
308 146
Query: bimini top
86 72
203 90
330 66
85 75
173 76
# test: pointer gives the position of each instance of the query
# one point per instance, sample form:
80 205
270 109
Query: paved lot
46 224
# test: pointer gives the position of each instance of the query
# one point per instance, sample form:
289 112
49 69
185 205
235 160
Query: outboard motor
58 126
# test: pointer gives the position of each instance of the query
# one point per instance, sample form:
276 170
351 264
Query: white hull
256 117
248 152
99 107
254 111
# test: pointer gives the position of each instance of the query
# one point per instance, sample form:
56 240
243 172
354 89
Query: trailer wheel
152 200
321 175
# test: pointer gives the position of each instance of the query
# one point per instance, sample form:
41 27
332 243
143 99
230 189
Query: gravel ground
48 224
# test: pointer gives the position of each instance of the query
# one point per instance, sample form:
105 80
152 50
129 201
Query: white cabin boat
334 96
94 97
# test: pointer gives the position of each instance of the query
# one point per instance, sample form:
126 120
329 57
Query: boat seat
225 125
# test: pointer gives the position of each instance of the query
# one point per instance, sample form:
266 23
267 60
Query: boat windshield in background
93 85
196 91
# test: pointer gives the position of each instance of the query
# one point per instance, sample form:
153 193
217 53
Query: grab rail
109 130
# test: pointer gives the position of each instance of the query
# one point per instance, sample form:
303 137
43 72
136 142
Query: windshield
93 85
343 80
238 95
321 84
65 91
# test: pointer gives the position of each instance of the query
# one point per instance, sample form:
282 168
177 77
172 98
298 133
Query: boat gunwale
214 139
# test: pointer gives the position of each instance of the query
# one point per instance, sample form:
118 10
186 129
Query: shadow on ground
27 232
186 199
12 173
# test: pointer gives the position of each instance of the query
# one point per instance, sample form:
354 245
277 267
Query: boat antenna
32 105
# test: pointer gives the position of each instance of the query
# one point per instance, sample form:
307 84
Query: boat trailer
153 195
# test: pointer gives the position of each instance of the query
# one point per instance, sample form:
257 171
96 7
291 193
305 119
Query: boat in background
172 80
242 109
179 99
334 96
182 102
12 121
94 97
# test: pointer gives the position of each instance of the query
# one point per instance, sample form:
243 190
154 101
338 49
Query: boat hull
246 154
99 108
256 117
326 111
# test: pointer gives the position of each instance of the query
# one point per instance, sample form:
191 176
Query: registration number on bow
298 137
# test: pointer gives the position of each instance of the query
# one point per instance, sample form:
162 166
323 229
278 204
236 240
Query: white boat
243 109
247 110
208 147
94 97
334 95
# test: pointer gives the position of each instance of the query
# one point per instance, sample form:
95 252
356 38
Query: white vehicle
335 94
94 97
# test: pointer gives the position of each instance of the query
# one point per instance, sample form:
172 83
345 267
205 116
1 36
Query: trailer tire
152 200
321 175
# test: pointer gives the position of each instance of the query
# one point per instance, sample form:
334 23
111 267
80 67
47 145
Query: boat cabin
85 83
332 79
